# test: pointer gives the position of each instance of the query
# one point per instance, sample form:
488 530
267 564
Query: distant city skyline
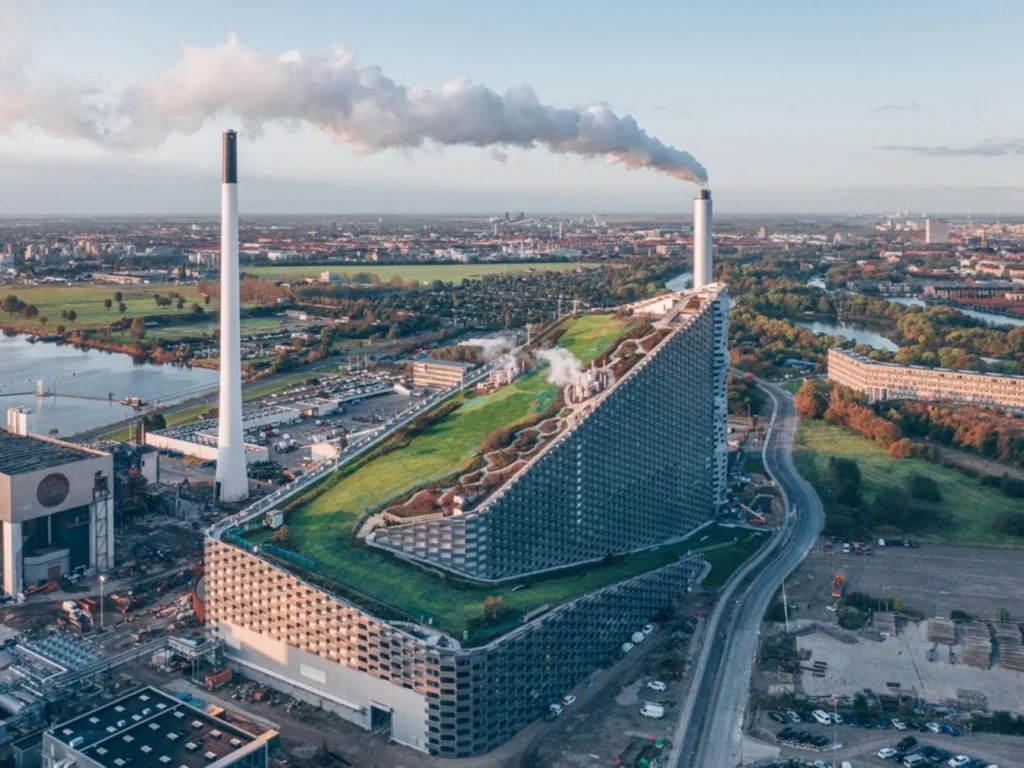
798 109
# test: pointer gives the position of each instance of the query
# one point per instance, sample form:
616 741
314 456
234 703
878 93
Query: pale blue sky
787 104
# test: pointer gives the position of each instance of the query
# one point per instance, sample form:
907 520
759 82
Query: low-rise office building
439 374
888 381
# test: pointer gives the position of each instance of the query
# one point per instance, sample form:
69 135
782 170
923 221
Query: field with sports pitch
423 273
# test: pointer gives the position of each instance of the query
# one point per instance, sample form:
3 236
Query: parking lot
933 580
860 745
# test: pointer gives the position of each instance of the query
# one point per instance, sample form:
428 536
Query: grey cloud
906 106
989 148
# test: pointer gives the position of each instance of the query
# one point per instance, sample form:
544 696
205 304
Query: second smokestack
702 239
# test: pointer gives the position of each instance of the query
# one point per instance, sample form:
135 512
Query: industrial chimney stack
232 479
702 239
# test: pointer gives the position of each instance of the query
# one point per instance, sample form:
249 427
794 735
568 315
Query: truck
837 585
215 680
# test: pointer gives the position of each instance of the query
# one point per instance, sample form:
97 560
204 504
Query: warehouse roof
20 454
147 726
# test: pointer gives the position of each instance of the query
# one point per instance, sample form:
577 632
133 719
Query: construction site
883 621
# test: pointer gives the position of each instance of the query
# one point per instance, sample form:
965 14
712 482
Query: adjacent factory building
56 507
150 728
888 381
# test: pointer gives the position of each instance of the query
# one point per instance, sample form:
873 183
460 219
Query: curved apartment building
888 381
644 463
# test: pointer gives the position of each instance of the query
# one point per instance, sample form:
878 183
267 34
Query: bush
924 488
959 615
1010 522
851 618
1011 486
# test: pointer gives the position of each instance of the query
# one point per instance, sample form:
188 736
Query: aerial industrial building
889 381
612 456
56 506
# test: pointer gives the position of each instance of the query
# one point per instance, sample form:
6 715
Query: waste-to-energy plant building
610 474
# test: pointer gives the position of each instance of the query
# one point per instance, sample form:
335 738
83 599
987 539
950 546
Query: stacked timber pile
977 645
942 631
1011 646
885 622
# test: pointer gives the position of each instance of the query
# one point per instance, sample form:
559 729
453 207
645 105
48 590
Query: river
989 317
680 282
858 332
68 370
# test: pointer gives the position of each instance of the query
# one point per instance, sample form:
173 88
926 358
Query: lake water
66 369
679 282
989 317
856 331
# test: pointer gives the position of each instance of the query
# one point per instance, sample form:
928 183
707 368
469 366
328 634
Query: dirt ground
933 580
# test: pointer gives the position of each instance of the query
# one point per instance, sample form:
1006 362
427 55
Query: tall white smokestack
702 239
232 479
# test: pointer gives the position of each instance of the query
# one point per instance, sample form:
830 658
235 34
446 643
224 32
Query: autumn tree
138 329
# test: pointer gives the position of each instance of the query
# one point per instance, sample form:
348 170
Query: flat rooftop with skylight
151 729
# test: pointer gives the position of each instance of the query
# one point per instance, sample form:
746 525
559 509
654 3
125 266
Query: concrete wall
347 692
18 499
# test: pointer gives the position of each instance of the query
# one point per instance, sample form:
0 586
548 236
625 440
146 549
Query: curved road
710 733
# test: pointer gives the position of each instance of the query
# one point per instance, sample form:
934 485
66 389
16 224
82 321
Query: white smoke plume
565 368
493 346
356 105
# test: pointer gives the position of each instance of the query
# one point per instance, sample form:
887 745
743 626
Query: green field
87 301
970 505
423 273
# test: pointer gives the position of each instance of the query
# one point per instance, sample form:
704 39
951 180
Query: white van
911 761
652 710
822 717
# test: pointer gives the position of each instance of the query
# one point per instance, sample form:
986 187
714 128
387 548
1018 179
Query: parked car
958 762
914 761
627 647
778 717
568 700
898 724
886 753
929 751
793 717
907 742
837 719
882 724
648 628
819 740
939 756
659 685
555 709
785 734
933 727
952 730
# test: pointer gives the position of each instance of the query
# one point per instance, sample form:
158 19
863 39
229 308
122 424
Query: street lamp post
103 580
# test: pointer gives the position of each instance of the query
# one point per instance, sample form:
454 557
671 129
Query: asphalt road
710 732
